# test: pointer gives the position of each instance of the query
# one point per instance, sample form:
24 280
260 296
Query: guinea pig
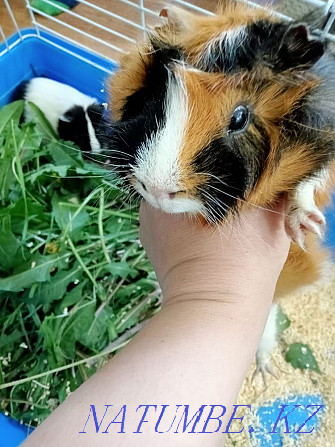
73 115
213 114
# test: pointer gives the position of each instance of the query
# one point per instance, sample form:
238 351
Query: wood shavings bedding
312 315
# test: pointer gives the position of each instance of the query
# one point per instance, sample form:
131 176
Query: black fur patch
234 164
96 114
144 111
152 95
279 46
312 122
75 128
20 91
228 178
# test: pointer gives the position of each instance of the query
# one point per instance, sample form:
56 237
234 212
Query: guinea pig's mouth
169 200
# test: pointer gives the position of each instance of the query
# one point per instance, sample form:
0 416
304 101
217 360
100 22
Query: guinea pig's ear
178 18
73 114
67 117
299 48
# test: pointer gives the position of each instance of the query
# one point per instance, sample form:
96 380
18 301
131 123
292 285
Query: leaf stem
81 262
20 178
100 225
62 368
79 209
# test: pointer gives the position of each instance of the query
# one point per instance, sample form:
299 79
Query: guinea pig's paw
266 346
302 220
264 368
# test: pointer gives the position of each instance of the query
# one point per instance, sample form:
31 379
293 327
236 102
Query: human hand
193 259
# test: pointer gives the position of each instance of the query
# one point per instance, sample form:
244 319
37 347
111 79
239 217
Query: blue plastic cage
55 59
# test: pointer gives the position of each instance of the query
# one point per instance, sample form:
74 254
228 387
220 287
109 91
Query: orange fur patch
129 78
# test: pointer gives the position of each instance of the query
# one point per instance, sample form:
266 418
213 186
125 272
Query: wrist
242 296
201 278
243 314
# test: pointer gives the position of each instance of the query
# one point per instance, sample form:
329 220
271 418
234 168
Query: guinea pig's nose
159 193
162 193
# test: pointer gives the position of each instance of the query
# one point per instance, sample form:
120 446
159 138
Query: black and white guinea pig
73 115
212 114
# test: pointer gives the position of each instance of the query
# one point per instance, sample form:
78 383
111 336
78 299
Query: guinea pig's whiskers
228 224
115 151
219 212
212 216
245 201
76 176
94 112
216 213
121 138
256 232
206 174
327 131
215 201
104 153
131 197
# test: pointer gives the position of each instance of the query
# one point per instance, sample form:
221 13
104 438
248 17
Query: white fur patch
54 99
230 40
269 338
303 214
304 193
157 164
94 142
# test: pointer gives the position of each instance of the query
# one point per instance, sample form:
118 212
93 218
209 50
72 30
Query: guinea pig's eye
239 120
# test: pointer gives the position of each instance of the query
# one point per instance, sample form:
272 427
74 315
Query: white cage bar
114 29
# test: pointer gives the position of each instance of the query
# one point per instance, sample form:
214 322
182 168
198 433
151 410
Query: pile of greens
74 280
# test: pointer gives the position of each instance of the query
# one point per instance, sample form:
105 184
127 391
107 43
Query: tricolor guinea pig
73 115
216 113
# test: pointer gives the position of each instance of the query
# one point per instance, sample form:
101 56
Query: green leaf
66 216
115 226
50 169
121 270
300 356
66 153
9 246
12 111
30 140
137 311
56 288
282 322
17 212
50 332
7 179
50 10
34 209
10 339
75 295
42 122
101 330
37 269
47 318
77 324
